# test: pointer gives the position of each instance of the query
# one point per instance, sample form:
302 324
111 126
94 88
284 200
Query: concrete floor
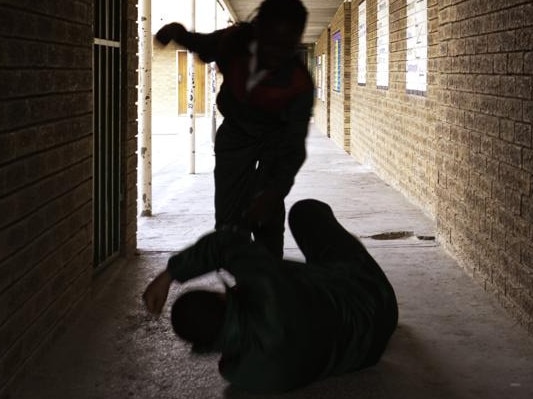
453 340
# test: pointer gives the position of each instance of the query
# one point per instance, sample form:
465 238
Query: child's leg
234 176
322 239
270 235
319 235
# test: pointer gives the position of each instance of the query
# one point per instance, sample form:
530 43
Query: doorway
200 86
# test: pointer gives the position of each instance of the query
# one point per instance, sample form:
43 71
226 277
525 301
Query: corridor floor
453 340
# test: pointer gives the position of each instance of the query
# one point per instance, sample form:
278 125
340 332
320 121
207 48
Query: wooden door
199 91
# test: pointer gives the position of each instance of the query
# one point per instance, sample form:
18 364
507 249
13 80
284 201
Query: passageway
453 340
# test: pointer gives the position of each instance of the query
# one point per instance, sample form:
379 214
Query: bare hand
173 31
156 293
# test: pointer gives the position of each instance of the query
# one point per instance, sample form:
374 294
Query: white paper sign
416 36
382 56
361 64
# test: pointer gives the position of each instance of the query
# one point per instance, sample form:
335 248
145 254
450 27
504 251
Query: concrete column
213 91
145 106
190 96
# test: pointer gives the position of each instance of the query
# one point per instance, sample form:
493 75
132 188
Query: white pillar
144 105
213 76
190 95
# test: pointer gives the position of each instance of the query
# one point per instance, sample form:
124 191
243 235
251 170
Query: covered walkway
453 340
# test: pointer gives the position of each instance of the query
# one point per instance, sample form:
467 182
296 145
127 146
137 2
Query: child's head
279 25
198 317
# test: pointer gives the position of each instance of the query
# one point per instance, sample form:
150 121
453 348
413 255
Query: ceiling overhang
320 14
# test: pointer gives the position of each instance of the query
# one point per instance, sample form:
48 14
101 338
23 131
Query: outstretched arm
208 254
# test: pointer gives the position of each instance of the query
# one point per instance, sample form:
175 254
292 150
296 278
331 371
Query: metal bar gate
107 186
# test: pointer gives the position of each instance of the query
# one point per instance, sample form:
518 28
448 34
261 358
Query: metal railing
107 120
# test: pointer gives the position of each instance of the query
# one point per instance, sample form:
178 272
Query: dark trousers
322 239
239 176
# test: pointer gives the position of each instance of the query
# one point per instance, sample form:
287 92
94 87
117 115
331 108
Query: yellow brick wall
340 100
484 156
462 151
164 80
394 131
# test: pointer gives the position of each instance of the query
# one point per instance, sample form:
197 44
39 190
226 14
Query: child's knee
308 212
309 207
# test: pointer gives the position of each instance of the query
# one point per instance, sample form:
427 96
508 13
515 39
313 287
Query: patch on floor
399 235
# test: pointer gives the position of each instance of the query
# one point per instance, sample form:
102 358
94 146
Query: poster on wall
321 77
324 73
361 60
318 75
416 35
382 56
337 59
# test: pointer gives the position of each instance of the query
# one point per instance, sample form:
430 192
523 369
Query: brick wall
485 157
46 170
393 131
340 100
164 83
463 151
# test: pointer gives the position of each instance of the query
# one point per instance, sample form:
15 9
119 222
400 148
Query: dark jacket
274 115
289 323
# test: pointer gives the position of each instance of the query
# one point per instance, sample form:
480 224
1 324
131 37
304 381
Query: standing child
266 98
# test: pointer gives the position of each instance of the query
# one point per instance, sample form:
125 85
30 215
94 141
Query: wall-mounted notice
417 43
382 56
361 59
337 61
324 85
318 77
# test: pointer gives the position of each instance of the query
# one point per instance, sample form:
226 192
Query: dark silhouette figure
284 324
266 98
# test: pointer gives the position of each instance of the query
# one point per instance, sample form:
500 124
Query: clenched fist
173 31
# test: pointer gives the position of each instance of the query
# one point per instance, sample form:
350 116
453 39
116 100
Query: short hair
198 317
292 11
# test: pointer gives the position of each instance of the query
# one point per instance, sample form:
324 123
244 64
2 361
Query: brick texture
485 144
394 131
462 151
164 80
46 170
339 101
